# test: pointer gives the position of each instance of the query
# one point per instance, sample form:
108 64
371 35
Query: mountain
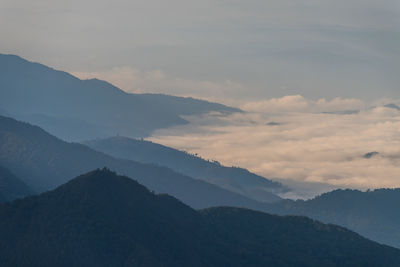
101 219
393 106
372 214
12 187
47 97
231 178
44 162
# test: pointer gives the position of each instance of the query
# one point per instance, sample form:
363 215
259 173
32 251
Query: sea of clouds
321 143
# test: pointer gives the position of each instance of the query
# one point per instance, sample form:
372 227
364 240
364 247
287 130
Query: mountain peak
103 219
106 185
32 88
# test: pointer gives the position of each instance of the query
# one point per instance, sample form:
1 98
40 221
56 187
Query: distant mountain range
44 162
75 109
372 214
101 219
231 178
33 161
393 106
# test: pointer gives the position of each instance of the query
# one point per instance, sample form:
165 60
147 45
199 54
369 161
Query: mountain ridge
44 162
32 154
370 213
103 219
234 179
33 89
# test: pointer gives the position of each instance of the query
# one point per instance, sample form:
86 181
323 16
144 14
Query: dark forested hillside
44 162
372 214
12 187
101 219
75 109
231 178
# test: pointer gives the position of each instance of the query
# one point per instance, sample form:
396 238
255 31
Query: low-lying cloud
297 103
310 141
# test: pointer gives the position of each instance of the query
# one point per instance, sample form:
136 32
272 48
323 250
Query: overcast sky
216 49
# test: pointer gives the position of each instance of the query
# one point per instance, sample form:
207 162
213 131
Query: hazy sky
217 49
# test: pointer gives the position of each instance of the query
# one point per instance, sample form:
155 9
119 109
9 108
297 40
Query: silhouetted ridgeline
101 219
231 178
75 109
44 162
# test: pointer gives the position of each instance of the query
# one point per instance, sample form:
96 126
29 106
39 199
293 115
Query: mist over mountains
315 141
217 133
370 213
44 162
119 222
231 178
75 109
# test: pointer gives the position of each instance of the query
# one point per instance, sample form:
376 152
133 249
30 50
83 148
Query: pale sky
215 49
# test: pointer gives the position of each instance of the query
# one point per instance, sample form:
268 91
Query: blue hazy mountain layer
234 179
372 214
44 162
75 109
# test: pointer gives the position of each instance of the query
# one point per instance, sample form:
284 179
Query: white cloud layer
297 103
303 143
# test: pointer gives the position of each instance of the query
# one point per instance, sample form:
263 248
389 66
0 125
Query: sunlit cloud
297 103
304 144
